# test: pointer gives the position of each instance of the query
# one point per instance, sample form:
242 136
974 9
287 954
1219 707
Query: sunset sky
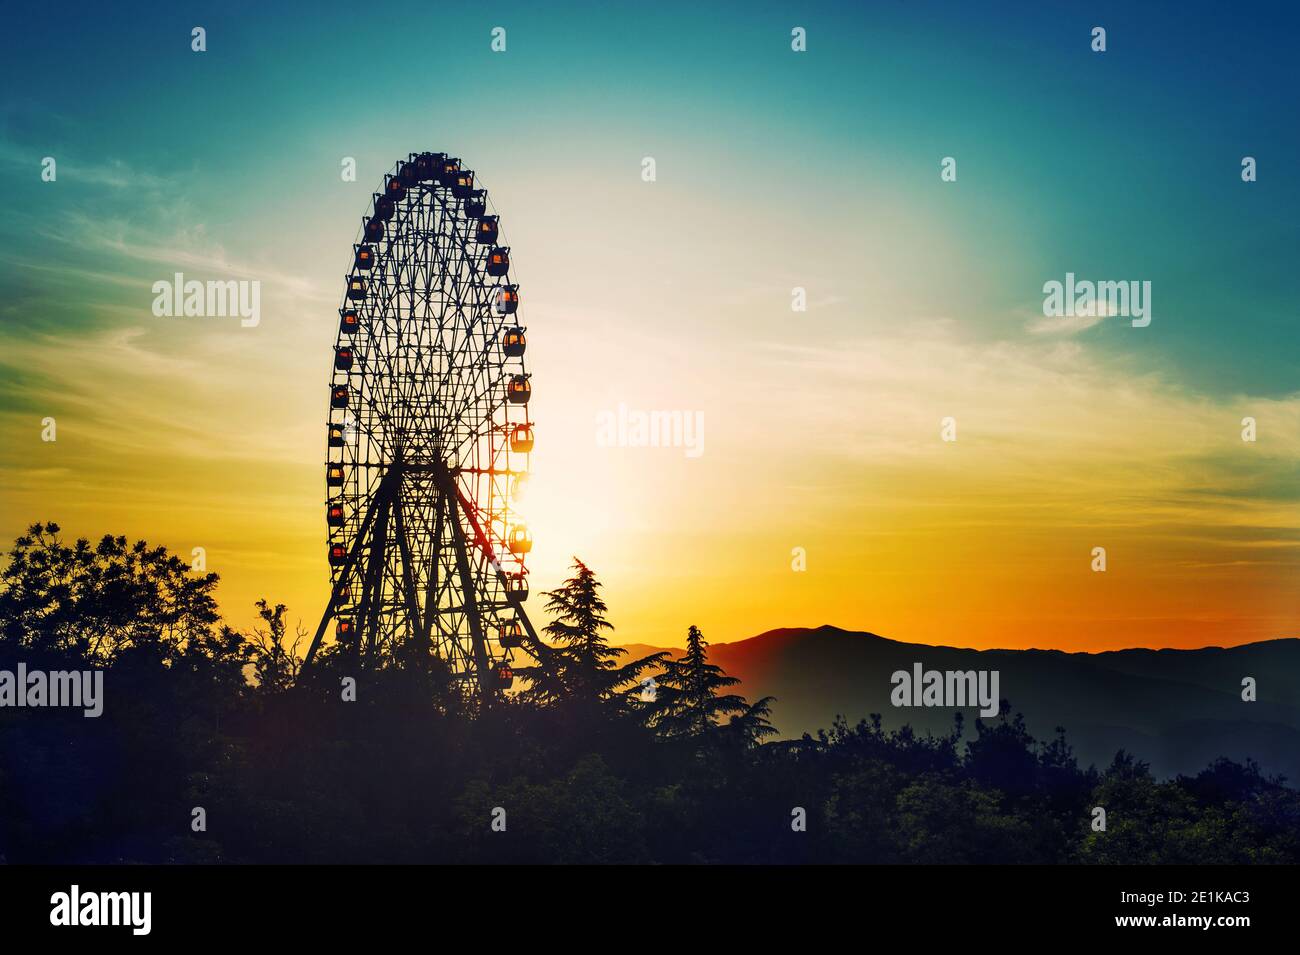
775 169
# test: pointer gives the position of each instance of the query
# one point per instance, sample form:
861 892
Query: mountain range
1176 709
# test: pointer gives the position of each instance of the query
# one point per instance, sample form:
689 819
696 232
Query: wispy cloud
110 173
1067 324
1058 423
188 247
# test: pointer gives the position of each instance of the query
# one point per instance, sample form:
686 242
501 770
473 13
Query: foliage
687 700
198 714
580 669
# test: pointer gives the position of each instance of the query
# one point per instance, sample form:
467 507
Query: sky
774 170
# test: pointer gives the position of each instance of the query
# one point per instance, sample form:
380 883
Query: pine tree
580 665
687 701
749 727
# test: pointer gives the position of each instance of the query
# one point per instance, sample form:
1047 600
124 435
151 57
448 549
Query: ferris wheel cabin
408 173
507 300
510 634
519 390
521 438
448 171
517 585
498 261
520 541
486 233
513 342
463 185
427 165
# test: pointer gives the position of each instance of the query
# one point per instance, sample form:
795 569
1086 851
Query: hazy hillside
1177 709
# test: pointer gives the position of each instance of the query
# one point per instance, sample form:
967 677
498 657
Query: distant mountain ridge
1176 709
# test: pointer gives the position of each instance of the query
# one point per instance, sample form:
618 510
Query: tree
580 666
687 701
752 725
1003 754
93 603
276 661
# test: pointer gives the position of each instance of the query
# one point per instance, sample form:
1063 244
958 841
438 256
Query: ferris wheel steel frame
429 437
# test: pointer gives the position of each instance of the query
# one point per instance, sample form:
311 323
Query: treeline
213 747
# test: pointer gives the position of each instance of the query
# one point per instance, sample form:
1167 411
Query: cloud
1066 324
133 216
1044 425
111 173
184 248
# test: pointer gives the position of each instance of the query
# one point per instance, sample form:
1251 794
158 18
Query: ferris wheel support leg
471 603
540 649
431 591
344 574
415 624
368 612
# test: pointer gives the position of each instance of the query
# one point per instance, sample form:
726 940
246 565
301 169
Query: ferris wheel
428 436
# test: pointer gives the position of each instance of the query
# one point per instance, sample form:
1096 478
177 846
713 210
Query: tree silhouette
277 661
1002 755
687 701
752 724
196 714
580 666
92 603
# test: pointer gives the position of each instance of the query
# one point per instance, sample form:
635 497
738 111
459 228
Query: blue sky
1120 164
